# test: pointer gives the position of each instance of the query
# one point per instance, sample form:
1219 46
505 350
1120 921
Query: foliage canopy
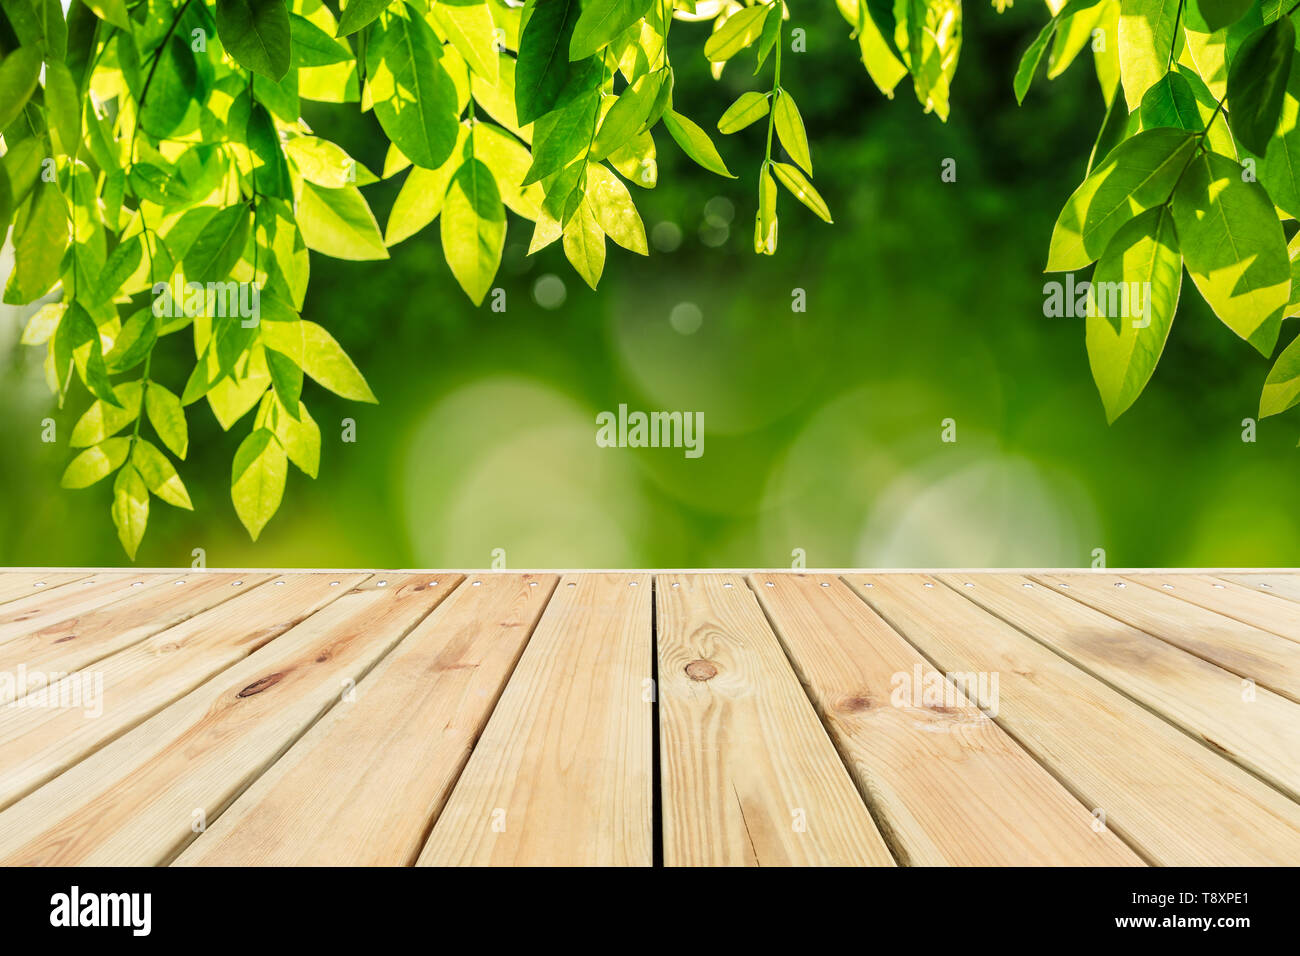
159 179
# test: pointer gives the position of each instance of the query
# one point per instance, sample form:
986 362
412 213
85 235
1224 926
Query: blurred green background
822 429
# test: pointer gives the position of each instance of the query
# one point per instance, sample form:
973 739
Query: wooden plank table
628 718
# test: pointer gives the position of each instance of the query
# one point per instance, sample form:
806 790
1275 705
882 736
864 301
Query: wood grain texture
1166 794
1269 659
947 785
21 584
1256 608
748 775
562 773
74 643
1279 583
364 785
142 798
1251 725
93 706
65 602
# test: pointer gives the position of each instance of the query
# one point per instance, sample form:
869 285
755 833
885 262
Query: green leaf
473 229
600 22
134 342
793 179
584 244
740 30
324 163
358 13
19 73
219 245
1221 13
176 83
63 103
562 136
469 28
102 420
543 65
338 223
1134 296
1282 387
1031 58
1147 30
419 201
614 211
509 161
749 108
1171 103
77 343
270 169
629 114
160 475
1233 245
256 33
111 11
789 127
43 323
1137 174
1279 168
320 356
1257 83
765 221
130 509
96 463
312 46
286 378
257 480
167 417
695 143
301 440
40 238
415 100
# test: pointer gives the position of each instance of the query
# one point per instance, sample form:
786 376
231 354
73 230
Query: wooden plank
364 785
142 798
1257 608
748 775
21 584
1268 659
947 785
1167 795
562 774
1278 583
74 643
1251 725
51 605
43 734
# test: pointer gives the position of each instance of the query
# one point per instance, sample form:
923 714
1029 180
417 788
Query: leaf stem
771 112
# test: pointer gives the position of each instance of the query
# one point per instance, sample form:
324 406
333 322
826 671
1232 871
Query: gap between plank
1052 772
877 817
184 843
1218 752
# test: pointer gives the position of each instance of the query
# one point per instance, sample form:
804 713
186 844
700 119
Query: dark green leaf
543 64
256 33
1257 83
415 100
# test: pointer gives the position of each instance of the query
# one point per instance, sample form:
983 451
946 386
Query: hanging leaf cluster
1196 168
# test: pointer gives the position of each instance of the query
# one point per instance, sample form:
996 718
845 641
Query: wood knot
701 670
853 704
64 640
260 685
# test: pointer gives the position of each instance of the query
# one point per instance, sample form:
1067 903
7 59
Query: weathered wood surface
776 718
